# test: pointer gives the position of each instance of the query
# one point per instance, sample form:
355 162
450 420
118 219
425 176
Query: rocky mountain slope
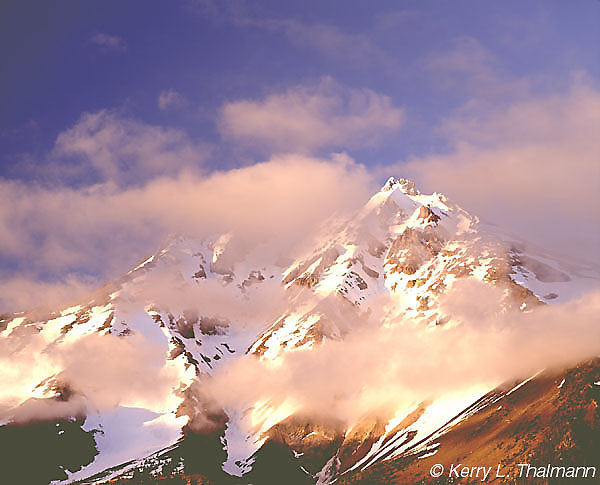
553 419
406 247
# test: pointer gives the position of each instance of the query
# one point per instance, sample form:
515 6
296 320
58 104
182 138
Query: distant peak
407 186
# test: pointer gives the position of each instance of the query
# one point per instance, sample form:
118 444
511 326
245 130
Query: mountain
120 385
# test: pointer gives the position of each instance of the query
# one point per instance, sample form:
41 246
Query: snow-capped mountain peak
202 304
404 184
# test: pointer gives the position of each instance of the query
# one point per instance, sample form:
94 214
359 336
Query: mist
92 374
379 369
84 237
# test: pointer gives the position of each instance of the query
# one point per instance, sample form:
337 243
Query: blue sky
123 98
211 53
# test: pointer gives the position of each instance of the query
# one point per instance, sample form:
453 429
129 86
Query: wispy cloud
124 150
305 118
109 42
171 99
470 66
354 48
327 39
393 20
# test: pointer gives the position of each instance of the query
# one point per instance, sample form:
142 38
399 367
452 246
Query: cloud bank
89 235
379 370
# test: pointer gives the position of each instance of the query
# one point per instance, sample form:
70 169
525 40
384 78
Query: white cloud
305 118
109 42
171 99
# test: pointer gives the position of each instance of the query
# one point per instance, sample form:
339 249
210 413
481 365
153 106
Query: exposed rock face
407 186
359 441
313 441
306 275
411 249
206 415
427 215
201 273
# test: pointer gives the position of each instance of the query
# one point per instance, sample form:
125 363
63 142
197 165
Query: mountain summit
406 185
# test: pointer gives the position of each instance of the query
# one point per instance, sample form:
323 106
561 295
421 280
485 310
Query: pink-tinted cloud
106 229
26 290
108 42
469 65
171 99
305 118
382 369
126 150
101 372
530 167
